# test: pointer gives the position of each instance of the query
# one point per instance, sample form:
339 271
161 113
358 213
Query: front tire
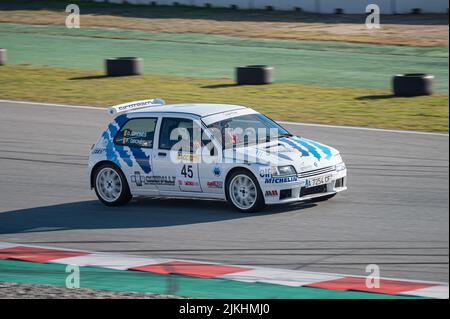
111 185
243 192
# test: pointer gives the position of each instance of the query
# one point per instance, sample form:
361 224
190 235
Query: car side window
137 133
168 125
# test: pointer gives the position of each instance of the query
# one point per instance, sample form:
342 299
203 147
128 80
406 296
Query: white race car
209 151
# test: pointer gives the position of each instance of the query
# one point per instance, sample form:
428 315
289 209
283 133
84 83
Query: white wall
354 6
386 6
320 6
242 4
430 6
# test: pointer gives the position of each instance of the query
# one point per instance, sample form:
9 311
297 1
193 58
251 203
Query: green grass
281 101
207 56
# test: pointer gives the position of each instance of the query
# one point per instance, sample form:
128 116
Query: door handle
162 154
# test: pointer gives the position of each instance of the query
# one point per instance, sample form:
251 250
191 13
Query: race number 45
186 171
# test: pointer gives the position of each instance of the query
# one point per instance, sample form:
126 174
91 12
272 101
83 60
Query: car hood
304 154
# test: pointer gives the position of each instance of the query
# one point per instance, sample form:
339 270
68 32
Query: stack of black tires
414 84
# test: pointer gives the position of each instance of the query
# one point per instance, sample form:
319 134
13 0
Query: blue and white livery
210 151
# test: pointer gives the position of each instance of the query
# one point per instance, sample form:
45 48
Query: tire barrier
254 74
413 84
123 66
2 56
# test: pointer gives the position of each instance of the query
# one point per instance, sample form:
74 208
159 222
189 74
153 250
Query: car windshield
247 130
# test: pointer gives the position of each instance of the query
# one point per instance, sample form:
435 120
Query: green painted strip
200 38
117 280
209 56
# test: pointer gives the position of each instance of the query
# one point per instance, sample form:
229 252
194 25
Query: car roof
199 109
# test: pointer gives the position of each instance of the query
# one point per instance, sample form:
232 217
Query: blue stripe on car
120 120
326 150
123 154
142 159
110 153
283 156
294 145
310 147
113 151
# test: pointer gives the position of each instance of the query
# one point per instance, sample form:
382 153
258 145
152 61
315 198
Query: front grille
317 172
313 190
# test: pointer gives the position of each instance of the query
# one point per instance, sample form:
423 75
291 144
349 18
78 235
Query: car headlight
340 167
285 170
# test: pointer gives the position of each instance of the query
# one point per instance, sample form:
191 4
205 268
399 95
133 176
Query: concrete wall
355 6
318 6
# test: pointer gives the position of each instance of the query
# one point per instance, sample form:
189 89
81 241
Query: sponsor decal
188 157
267 172
217 171
133 105
269 178
136 138
188 183
129 133
98 151
280 180
140 180
273 193
214 184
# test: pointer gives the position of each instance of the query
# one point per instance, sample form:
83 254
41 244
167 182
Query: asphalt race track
395 213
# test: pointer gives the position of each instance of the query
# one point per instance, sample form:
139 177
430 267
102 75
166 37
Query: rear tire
243 192
111 186
322 199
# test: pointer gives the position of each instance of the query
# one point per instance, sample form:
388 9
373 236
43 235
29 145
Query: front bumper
297 191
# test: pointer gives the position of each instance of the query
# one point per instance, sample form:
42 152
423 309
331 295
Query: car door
134 142
175 164
211 166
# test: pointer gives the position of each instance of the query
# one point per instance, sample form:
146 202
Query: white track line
363 128
281 122
55 104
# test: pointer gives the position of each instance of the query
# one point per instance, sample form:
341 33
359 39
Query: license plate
316 181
